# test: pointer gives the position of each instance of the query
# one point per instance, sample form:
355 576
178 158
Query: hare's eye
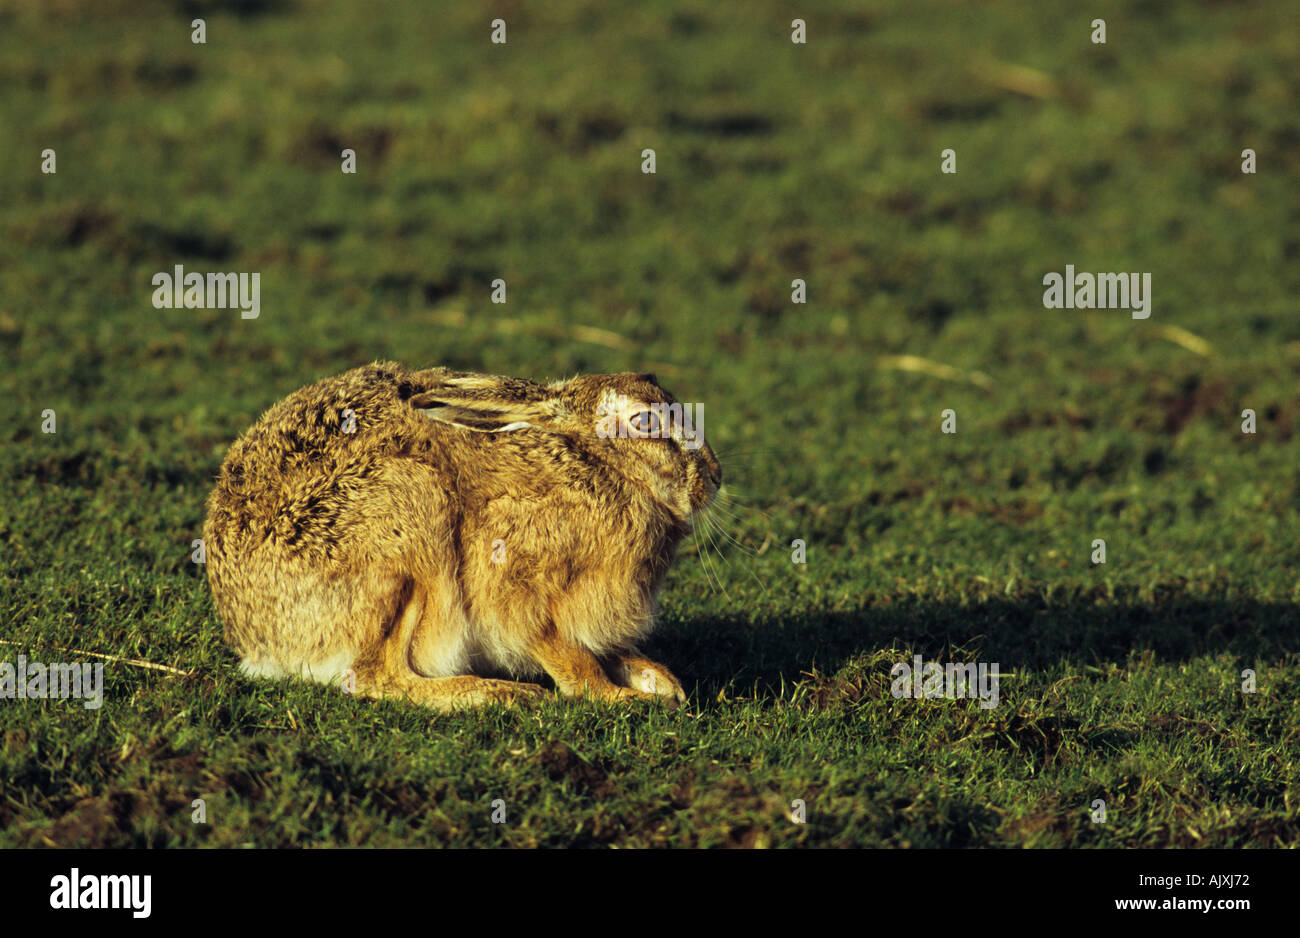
647 421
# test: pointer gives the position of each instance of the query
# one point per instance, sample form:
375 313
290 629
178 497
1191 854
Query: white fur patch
647 681
260 668
328 671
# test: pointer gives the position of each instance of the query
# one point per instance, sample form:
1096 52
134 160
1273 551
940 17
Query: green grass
775 161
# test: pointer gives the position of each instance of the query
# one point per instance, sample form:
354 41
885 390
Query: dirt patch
562 764
1039 737
1194 399
1019 511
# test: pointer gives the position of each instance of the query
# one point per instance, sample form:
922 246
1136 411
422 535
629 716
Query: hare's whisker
718 527
731 492
728 506
720 453
701 551
719 553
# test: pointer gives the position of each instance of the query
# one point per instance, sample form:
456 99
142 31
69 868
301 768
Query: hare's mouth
703 492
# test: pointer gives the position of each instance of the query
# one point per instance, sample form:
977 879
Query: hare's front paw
651 678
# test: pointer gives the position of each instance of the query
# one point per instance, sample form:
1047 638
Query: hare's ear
484 419
486 403
473 390
485 416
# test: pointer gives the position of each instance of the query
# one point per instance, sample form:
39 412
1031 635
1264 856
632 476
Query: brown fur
369 555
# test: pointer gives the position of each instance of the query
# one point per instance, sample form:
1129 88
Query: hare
407 532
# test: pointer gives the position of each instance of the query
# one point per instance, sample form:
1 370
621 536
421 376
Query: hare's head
651 435
627 420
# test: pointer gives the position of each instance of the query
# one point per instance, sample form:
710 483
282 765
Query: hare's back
323 461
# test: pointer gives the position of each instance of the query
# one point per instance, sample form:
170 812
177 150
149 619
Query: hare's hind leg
385 669
445 693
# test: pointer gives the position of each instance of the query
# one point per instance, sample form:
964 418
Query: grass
775 161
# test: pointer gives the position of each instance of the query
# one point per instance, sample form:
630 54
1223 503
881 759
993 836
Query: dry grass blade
599 337
1021 79
133 662
934 369
1180 336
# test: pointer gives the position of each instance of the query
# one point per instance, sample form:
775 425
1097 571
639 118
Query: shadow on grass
736 653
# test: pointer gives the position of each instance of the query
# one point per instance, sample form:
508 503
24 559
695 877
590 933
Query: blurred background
775 161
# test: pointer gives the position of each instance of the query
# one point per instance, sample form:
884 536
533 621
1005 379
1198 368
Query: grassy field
775 161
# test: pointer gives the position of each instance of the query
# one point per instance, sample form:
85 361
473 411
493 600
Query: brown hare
403 532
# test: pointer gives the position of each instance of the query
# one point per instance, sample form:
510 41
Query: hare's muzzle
712 469
708 478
